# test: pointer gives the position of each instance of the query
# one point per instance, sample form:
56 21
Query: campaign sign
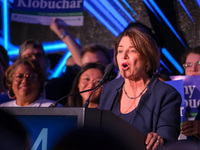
178 85
43 11
191 93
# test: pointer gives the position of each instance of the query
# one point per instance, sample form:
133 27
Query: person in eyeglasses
191 64
24 80
88 77
54 88
191 61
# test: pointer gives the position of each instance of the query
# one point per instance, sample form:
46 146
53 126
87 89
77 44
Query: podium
46 126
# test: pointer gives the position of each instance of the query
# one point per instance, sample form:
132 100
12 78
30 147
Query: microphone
109 70
62 98
108 76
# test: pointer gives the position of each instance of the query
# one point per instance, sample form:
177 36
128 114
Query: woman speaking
150 105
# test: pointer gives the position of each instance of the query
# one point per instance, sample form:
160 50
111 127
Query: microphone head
108 74
109 68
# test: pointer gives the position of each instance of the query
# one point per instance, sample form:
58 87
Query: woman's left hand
153 141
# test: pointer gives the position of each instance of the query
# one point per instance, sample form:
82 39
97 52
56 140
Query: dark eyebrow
129 46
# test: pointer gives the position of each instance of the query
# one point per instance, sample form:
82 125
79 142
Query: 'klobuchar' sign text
59 4
42 11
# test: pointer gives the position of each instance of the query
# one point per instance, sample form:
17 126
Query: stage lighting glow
198 2
152 10
5 23
114 13
182 4
54 46
172 60
100 18
124 10
49 47
161 62
166 20
108 15
129 7
58 69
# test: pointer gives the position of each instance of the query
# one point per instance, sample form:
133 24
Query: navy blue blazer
158 110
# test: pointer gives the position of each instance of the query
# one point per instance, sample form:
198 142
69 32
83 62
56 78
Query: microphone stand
86 104
58 101
110 77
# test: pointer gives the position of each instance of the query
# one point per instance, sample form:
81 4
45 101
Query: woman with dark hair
24 80
88 77
140 98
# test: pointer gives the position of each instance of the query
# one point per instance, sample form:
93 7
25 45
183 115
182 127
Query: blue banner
191 93
43 11
178 85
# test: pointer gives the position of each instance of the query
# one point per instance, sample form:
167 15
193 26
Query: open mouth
125 66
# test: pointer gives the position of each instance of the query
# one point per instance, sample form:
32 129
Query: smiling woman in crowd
88 77
25 79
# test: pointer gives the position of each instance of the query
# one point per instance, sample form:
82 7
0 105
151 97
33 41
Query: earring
11 94
147 68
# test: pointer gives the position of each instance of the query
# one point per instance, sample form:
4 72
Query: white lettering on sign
50 4
189 90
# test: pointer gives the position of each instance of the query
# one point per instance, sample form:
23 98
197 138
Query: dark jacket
158 110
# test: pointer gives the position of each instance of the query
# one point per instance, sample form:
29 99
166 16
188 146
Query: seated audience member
87 78
4 63
25 80
140 98
191 64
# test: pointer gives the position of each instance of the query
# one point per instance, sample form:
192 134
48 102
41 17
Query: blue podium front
46 126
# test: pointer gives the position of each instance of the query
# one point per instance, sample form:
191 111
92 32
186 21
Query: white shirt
41 102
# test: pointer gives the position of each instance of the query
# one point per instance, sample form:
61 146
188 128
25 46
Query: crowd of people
138 95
